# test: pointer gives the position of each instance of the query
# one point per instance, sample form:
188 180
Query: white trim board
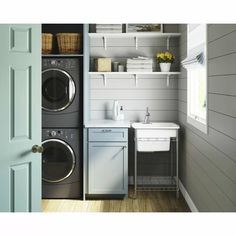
187 198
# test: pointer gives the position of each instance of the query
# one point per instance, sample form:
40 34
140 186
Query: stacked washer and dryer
62 128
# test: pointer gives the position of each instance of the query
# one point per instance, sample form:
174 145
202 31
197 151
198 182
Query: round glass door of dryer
58 161
58 90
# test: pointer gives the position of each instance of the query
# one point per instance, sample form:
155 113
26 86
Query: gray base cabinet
108 161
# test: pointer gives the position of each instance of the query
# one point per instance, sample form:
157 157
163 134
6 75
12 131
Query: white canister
115 110
121 68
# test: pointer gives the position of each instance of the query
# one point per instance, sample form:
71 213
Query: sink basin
155 125
155 136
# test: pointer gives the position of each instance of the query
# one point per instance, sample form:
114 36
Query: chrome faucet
147 117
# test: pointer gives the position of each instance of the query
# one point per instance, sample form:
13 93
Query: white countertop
107 124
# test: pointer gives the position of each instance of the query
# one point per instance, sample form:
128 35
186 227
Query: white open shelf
135 74
130 35
136 36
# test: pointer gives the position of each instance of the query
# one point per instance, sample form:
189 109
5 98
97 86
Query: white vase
165 67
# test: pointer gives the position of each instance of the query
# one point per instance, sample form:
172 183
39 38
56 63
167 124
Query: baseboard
187 198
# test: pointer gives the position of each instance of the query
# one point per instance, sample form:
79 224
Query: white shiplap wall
151 92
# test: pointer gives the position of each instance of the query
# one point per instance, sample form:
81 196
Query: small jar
121 68
115 65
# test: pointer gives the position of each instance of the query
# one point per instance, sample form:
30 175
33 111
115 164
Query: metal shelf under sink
153 137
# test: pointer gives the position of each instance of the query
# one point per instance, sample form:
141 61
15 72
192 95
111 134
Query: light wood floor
145 202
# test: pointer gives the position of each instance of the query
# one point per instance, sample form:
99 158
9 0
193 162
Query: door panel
20 104
20 187
20 100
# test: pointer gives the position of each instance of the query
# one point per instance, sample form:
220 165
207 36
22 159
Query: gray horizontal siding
202 179
182 83
222 123
223 104
224 65
223 46
218 140
222 188
182 95
217 158
208 161
183 74
182 106
198 192
216 31
217 169
223 84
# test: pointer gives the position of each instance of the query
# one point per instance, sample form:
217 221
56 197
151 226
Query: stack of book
108 28
139 64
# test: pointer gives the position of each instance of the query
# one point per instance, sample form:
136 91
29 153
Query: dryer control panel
60 63
58 133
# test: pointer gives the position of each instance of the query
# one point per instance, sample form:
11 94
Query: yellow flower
165 57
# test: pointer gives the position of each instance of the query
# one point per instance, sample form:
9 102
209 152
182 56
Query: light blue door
20 118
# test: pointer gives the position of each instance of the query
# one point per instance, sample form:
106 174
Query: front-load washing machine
61 92
61 164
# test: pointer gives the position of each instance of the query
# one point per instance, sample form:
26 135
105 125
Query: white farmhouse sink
155 125
155 136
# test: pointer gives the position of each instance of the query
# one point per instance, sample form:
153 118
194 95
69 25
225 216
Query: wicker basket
69 43
47 43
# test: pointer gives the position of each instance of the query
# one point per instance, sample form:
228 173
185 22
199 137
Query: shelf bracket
104 80
136 80
104 42
168 43
136 42
168 80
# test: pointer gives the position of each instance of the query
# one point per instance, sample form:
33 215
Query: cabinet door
108 168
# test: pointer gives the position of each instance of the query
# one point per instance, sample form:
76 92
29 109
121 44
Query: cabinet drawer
107 134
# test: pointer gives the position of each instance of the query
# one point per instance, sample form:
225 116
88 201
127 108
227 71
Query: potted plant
165 59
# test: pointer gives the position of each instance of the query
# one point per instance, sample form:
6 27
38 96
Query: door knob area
37 148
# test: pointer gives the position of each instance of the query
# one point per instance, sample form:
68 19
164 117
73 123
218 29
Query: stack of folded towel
108 28
139 64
